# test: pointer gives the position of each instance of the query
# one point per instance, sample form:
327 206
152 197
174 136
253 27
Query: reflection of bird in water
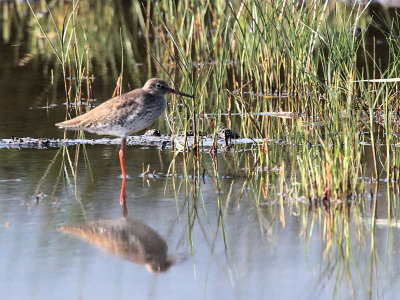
127 238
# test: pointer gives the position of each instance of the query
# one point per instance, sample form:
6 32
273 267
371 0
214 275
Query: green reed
243 58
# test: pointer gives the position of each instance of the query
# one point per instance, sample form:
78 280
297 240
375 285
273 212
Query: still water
220 244
222 241
254 258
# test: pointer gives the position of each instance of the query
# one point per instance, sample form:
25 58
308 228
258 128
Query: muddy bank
152 138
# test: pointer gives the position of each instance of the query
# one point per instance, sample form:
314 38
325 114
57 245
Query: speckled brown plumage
125 114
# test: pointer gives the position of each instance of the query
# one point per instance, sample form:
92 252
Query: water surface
226 239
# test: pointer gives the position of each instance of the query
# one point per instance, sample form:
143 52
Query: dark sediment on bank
152 138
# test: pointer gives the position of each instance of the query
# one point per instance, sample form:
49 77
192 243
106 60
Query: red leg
122 197
122 157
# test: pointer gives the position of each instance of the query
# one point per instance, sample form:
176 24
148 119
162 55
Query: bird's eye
159 86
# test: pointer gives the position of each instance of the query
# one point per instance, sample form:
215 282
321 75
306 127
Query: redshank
125 114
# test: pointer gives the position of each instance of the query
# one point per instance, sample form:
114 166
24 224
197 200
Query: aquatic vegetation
293 78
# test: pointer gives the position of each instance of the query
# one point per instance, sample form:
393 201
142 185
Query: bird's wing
108 113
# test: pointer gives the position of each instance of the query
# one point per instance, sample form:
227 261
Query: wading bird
124 115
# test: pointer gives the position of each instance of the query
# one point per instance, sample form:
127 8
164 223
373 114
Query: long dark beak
172 91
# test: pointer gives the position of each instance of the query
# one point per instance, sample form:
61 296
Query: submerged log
164 141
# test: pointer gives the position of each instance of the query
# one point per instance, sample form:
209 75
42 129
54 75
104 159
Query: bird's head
157 86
